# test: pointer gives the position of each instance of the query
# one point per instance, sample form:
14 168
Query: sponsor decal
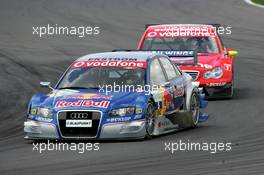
88 96
167 100
78 115
157 94
176 31
163 123
172 34
179 56
138 116
206 66
163 99
118 119
83 103
216 84
31 116
109 63
228 67
183 61
112 59
42 119
176 53
179 91
79 123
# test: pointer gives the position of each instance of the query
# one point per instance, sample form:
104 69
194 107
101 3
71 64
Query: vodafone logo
79 64
171 32
152 34
108 63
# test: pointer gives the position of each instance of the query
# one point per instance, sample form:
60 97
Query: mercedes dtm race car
116 95
214 70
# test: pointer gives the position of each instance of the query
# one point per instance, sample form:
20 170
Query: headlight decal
44 112
33 111
139 110
122 111
215 73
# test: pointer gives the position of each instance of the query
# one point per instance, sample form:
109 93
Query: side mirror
232 53
46 84
166 85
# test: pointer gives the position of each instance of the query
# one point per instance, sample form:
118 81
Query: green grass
261 2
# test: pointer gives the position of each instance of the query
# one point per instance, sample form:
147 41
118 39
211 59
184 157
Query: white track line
254 4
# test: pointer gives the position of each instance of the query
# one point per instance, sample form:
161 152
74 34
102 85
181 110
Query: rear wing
179 57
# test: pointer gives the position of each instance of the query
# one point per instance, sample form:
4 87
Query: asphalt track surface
26 59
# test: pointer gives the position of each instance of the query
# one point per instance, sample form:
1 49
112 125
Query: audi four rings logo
79 115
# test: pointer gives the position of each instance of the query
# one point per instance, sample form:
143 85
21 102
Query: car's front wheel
150 120
230 90
194 108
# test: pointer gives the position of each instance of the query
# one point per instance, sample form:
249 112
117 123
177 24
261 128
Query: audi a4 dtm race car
215 68
116 95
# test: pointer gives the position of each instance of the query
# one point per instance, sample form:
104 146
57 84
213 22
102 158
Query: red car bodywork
221 87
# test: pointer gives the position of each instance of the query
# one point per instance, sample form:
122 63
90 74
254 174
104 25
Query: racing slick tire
150 120
194 108
230 90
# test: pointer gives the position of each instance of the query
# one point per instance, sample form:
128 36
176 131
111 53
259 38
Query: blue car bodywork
88 113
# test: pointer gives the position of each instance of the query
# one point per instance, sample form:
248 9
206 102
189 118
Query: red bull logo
83 103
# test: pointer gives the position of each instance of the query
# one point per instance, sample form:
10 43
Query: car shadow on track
239 93
176 134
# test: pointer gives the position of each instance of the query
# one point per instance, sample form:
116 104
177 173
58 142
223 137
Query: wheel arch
188 94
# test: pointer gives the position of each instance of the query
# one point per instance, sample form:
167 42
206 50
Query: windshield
201 44
96 77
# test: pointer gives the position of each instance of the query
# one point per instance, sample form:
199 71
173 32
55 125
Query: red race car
214 70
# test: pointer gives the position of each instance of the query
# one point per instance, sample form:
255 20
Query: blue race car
116 95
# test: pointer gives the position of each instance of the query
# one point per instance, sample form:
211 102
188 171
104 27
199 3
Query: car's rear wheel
194 108
150 120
